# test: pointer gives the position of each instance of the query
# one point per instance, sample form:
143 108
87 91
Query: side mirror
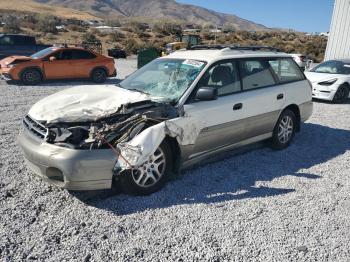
52 58
207 94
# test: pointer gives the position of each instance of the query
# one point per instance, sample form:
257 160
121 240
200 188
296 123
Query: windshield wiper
136 90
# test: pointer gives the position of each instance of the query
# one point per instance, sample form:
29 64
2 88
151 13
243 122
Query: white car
301 60
330 80
173 112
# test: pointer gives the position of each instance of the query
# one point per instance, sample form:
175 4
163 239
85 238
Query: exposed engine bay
120 127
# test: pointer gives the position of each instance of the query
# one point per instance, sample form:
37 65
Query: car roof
209 55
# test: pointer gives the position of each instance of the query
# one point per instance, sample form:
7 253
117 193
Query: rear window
286 70
6 40
23 40
255 74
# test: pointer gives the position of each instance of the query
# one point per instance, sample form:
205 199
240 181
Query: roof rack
94 46
234 47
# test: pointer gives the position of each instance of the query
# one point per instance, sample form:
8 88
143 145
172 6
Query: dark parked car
19 45
117 53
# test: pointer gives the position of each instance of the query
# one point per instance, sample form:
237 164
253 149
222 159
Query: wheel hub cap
285 129
151 171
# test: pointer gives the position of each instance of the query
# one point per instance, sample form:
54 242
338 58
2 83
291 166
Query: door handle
237 106
280 96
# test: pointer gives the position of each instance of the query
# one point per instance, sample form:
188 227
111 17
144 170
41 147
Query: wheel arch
32 67
176 153
99 67
296 110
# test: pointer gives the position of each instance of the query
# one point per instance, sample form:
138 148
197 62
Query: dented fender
135 152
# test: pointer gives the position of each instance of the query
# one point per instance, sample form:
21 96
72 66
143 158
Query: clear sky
301 15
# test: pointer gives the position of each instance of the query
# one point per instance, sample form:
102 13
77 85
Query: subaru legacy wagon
172 113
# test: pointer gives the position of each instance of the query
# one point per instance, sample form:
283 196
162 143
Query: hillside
34 7
155 9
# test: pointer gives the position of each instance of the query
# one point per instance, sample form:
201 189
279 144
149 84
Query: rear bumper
114 73
68 168
306 110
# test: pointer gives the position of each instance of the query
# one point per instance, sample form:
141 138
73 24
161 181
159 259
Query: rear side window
6 40
81 54
223 76
23 40
286 70
255 74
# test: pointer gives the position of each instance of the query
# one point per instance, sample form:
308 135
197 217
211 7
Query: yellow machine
183 42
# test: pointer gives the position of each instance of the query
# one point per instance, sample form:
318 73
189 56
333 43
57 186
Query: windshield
164 79
42 53
332 67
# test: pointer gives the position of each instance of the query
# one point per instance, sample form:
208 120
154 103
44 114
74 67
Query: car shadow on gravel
234 177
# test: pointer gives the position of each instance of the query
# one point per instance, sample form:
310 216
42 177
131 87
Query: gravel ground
261 205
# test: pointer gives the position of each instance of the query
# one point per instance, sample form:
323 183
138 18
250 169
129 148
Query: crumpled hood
8 60
83 103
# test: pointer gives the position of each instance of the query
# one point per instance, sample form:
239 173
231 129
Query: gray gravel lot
261 205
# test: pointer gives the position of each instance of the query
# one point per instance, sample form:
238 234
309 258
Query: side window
255 74
286 70
224 76
6 40
81 54
66 55
23 40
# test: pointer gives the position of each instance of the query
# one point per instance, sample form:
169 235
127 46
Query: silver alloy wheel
151 171
285 129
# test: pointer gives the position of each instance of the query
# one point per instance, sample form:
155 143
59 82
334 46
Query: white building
339 37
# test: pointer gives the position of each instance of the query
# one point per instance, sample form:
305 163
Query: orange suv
58 63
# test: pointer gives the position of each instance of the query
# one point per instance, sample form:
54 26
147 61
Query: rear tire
151 176
31 77
342 93
99 75
284 130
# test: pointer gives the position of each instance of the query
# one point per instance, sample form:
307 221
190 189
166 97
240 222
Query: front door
62 67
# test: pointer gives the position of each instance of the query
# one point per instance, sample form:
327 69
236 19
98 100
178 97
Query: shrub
116 36
47 24
90 38
12 25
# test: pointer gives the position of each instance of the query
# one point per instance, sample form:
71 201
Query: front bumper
68 168
323 93
5 75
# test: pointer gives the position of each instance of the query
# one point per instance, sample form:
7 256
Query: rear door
61 67
239 113
83 62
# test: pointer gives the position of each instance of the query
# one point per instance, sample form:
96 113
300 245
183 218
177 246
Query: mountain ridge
155 9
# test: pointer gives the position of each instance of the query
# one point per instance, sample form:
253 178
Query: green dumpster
146 55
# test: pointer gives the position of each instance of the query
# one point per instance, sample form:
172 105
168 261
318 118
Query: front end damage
78 155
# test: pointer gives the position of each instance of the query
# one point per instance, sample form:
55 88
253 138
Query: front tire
31 77
151 176
99 75
342 93
284 130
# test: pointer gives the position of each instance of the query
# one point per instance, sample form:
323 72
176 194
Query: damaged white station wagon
170 114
